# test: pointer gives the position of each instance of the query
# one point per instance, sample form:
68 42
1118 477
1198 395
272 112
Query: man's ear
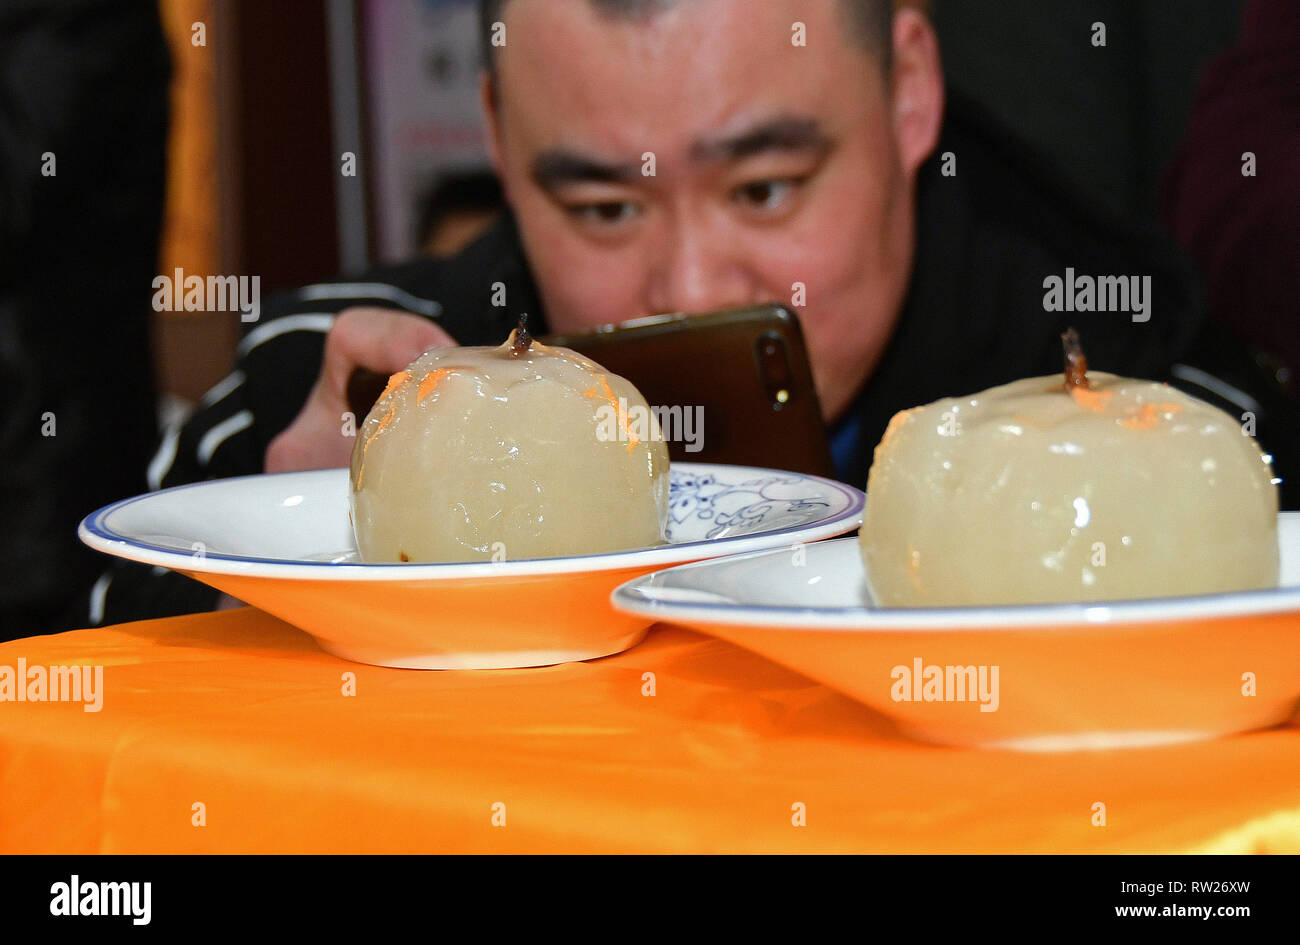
916 86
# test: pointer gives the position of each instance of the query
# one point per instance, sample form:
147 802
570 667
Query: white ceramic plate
1067 675
284 543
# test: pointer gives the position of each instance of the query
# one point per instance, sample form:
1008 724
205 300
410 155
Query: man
792 142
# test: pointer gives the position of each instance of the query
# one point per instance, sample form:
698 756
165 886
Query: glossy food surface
1025 493
496 453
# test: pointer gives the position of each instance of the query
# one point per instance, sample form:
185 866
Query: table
233 732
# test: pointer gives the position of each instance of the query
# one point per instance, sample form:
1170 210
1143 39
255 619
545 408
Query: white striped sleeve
97 595
222 432
219 390
370 290
1206 381
307 321
161 463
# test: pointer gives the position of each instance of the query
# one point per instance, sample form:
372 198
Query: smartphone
741 378
732 386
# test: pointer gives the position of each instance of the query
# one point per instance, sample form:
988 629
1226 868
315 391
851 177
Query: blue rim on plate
667 595
95 531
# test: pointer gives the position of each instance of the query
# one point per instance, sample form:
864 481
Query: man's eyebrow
557 167
554 168
783 133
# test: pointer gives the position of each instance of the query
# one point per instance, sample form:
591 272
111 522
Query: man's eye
607 213
766 194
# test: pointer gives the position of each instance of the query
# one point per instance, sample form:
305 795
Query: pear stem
523 340
1076 365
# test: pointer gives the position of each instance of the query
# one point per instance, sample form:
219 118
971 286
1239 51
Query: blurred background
218 133
396 83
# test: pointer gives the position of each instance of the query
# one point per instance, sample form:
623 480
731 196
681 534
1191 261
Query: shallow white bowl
1069 676
284 543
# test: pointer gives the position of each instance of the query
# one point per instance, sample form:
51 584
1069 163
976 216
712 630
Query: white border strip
222 388
306 321
369 290
1209 382
97 595
222 432
161 463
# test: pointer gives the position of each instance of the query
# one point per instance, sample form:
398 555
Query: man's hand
378 339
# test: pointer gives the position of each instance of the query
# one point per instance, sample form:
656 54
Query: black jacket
987 237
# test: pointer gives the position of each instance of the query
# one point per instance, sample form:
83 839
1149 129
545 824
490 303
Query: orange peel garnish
1090 398
1148 415
429 382
608 396
395 381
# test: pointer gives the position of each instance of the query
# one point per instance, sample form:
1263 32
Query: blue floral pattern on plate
735 508
704 506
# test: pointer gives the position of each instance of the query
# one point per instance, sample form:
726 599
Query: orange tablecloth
242 714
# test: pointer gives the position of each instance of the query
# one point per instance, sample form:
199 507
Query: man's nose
699 269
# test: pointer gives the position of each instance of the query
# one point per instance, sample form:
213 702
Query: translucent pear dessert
518 451
1098 488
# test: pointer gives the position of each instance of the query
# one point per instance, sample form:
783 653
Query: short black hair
869 20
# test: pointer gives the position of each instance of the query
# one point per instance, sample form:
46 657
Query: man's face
773 164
